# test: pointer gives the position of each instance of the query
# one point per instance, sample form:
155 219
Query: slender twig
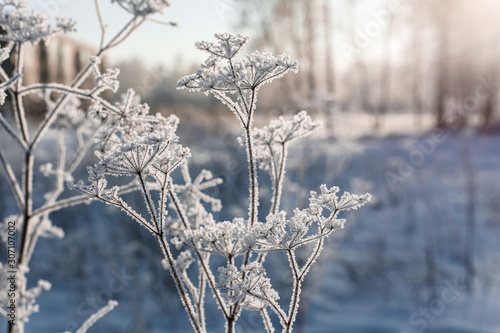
96 316
202 282
79 199
83 150
18 194
190 286
28 205
10 82
315 254
18 101
136 216
297 283
254 190
167 23
149 203
12 133
101 23
277 310
232 106
180 286
52 195
266 320
126 34
279 181
204 265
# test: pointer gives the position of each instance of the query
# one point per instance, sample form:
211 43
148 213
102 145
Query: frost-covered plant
64 116
148 152
143 150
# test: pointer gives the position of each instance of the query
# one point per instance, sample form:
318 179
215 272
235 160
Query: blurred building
56 61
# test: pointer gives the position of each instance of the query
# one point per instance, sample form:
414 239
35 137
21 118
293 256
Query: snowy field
397 267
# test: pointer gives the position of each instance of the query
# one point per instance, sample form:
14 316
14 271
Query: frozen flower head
128 120
222 74
22 26
228 239
143 7
283 130
280 233
329 200
227 47
249 285
148 153
104 81
192 190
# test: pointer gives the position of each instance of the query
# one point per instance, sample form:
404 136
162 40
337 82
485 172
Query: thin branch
204 265
188 306
120 204
60 103
96 316
126 34
149 203
279 180
293 264
202 282
86 94
101 23
79 199
190 286
232 106
18 194
82 151
28 204
9 82
266 320
167 23
315 254
12 133
277 310
18 101
52 196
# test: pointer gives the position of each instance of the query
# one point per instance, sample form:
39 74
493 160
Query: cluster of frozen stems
144 150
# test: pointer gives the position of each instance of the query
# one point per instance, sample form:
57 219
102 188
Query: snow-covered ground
397 267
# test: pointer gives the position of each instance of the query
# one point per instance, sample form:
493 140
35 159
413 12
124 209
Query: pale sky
153 43
174 46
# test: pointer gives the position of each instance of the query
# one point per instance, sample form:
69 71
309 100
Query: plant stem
266 320
178 283
252 209
18 101
230 325
28 204
204 265
279 180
